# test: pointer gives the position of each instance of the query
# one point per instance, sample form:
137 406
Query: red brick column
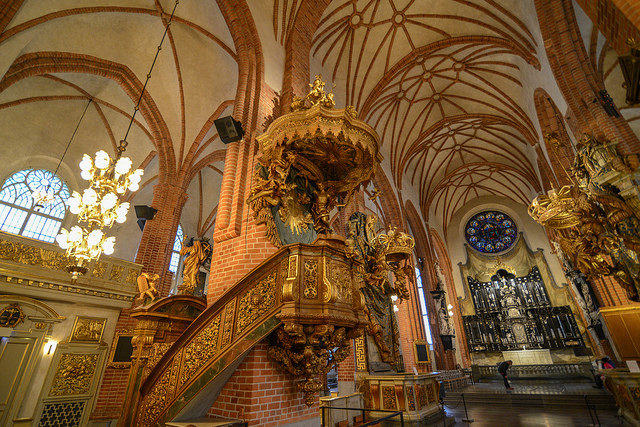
259 394
154 254
577 77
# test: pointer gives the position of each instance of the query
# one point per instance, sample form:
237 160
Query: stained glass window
423 306
19 214
175 254
491 232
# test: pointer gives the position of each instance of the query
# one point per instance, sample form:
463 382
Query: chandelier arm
72 136
123 144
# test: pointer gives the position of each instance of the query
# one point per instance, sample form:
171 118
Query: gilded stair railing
311 291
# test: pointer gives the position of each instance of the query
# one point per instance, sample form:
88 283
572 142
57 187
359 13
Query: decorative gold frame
20 319
112 350
77 336
415 352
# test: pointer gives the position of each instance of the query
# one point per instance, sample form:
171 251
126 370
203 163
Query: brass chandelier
100 205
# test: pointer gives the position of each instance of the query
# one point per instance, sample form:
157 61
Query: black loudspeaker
144 213
229 130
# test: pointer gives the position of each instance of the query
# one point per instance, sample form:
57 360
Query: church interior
319 212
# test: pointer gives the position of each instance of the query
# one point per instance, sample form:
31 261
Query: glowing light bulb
449 306
63 238
86 175
75 234
395 308
102 160
108 245
123 165
134 187
86 164
89 197
108 202
94 238
394 298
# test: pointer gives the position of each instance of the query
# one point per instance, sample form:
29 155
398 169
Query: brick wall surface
260 394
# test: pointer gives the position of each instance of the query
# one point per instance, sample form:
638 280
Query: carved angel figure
147 286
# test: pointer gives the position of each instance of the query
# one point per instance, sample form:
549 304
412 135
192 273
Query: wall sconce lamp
50 347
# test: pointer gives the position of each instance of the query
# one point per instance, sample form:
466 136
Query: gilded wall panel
74 374
256 302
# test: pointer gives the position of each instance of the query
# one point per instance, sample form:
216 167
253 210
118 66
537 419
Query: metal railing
536 371
391 414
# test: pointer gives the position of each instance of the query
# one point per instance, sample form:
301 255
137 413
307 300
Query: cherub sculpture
147 287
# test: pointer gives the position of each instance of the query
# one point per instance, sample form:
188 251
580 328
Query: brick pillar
154 254
347 373
261 395
577 77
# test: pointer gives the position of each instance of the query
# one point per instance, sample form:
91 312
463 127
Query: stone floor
535 387
532 404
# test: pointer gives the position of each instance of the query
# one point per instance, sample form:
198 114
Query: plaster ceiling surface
55 55
440 80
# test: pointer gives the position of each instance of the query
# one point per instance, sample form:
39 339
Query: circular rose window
491 232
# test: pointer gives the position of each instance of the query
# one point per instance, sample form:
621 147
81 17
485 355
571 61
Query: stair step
207 422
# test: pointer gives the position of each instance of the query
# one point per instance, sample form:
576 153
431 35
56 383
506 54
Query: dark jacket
503 367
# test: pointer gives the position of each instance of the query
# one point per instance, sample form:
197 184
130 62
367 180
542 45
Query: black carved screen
540 325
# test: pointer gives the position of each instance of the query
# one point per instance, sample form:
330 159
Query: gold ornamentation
202 348
227 329
308 351
39 325
312 160
310 279
99 269
116 272
74 374
88 329
388 397
147 287
341 278
591 224
25 254
361 354
11 316
132 276
381 254
293 267
421 397
157 399
257 301
410 398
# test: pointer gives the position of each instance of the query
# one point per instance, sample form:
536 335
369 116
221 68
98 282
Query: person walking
502 369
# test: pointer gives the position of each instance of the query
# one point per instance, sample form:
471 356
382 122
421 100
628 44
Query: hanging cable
123 143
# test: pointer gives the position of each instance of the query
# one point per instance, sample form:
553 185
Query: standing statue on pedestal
196 254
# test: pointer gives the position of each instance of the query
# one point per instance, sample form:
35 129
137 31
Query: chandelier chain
123 143
72 136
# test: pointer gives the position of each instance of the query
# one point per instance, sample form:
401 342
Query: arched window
423 306
19 214
175 253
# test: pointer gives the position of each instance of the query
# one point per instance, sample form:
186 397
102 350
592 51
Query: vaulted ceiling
55 55
448 85
441 83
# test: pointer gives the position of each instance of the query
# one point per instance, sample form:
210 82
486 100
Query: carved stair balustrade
305 296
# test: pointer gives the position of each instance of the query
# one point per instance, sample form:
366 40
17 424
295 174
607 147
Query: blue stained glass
491 232
18 214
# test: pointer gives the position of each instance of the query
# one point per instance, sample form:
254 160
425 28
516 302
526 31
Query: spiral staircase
309 293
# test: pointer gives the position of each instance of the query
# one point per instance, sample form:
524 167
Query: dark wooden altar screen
546 326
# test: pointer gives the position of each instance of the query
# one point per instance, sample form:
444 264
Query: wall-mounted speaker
229 130
144 213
